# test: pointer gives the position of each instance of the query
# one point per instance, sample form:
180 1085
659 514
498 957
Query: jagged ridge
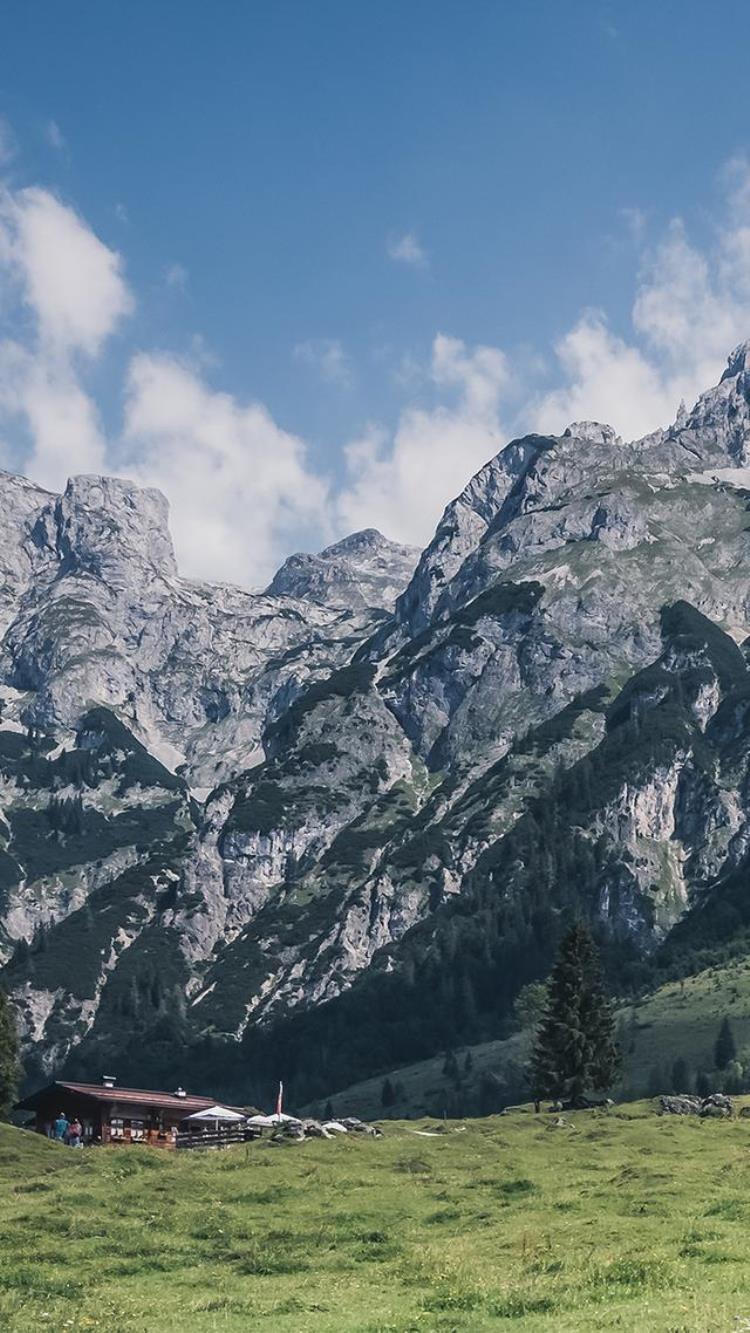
397 804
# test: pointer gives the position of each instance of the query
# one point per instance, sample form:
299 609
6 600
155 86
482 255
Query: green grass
621 1221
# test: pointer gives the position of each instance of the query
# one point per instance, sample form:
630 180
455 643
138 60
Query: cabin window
117 1127
137 1130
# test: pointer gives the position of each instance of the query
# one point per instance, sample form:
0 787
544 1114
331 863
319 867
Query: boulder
289 1129
717 1105
356 1126
680 1105
314 1130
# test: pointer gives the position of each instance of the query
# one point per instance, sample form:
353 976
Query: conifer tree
725 1050
387 1093
656 1081
680 1076
575 1046
10 1067
450 1068
702 1085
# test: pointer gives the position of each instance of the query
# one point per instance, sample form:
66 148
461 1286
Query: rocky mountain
334 826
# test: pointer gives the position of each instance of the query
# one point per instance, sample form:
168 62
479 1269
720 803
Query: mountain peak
363 569
596 432
738 361
108 523
367 539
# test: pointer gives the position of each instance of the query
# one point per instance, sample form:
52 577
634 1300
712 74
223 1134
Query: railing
222 1139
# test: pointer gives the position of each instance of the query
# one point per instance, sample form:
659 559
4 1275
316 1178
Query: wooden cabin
113 1115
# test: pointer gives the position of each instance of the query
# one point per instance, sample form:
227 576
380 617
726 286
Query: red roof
166 1101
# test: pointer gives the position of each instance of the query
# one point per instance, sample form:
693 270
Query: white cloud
404 248
54 136
71 288
59 418
327 357
69 279
480 373
241 492
400 483
8 147
605 380
691 307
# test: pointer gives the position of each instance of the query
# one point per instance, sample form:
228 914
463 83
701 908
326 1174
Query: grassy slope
423 1088
681 1019
622 1220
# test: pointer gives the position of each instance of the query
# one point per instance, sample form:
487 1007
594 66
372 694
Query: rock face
344 818
364 570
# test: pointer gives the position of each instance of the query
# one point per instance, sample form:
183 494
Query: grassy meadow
620 1220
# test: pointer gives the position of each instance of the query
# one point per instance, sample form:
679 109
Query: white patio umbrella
268 1121
215 1113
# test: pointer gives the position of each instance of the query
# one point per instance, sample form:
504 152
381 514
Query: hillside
329 829
459 1230
678 1021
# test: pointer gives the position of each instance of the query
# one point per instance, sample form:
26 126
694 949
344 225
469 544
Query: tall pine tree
575 1048
725 1050
10 1066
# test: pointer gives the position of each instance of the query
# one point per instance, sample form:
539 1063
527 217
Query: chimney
108 1080
180 1093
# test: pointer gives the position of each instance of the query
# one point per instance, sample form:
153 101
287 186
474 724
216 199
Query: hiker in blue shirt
61 1127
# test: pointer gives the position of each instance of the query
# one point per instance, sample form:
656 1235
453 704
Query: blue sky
361 243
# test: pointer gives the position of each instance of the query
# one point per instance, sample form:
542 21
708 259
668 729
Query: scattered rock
314 1130
289 1130
716 1106
296 1131
355 1126
681 1105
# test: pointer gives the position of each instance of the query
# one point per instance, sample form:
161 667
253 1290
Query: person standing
62 1125
75 1130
